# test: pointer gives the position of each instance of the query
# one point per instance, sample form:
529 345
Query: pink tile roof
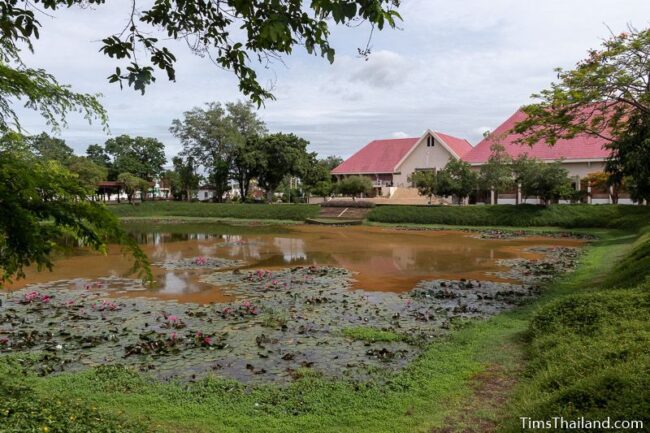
378 156
580 147
382 156
459 145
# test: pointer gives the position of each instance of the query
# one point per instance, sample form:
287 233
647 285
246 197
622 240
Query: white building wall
582 169
422 157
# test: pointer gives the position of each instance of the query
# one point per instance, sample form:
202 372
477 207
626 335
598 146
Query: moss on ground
370 334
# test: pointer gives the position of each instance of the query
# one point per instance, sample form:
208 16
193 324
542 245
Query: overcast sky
459 67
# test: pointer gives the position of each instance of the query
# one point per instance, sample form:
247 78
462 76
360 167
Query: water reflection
382 259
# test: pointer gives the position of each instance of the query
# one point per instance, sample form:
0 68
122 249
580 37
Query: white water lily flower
59 346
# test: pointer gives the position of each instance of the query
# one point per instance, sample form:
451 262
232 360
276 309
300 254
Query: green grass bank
587 350
567 216
288 212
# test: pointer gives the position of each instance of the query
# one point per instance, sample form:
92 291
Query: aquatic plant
34 296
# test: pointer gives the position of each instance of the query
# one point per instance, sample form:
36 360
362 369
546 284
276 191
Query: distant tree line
229 142
222 144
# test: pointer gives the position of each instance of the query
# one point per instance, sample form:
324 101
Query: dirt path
484 409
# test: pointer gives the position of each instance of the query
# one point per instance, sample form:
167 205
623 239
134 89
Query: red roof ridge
580 147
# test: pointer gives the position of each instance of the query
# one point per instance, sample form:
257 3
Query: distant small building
205 192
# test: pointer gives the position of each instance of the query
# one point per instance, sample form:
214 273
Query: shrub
525 215
354 185
295 212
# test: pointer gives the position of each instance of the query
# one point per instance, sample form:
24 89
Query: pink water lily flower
201 261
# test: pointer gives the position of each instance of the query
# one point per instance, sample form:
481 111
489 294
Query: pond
261 303
381 259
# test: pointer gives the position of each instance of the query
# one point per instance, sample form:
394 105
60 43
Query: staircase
407 196
339 216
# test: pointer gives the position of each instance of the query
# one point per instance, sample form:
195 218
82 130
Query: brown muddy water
381 259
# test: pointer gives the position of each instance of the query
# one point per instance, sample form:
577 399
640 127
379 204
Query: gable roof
460 146
378 156
384 156
581 147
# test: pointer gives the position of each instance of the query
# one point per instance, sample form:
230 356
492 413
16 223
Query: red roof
378 156
382 156
460 146
580 147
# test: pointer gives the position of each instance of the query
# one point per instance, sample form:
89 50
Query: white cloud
399 134
382 69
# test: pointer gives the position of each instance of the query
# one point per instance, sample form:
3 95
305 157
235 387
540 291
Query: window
430 141
205 194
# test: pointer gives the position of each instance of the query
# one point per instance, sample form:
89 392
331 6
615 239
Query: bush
354 185
22 409
526 215
348 203
294 212
589 357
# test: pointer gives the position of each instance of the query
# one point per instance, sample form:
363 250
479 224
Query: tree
631 159
318 173
331 162
246 127
87 172
143 157
354 185
426 181
131 184
548 181
186 177
208 136
35 88
50 148
97 154
523 169
457 179
170 179
605 181
245 165
279 155
324 188
231 33
43 203
496 173
607 95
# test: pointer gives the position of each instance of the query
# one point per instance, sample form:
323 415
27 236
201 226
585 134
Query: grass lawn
221 211
484 374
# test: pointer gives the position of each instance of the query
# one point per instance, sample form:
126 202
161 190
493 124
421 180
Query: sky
459 67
